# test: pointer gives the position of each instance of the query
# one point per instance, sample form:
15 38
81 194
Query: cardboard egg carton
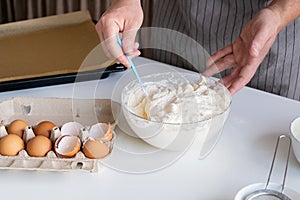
60 111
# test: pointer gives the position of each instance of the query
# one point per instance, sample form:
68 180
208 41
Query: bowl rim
215 80
291 131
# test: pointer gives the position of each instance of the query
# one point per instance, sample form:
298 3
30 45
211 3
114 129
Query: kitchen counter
242 156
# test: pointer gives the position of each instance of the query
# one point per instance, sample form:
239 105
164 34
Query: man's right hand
126 17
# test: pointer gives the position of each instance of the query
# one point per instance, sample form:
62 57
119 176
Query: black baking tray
60 79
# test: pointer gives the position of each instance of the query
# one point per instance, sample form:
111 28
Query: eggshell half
101 131
38 146
17 127
71 128
95 149
11 145
67 146
3 131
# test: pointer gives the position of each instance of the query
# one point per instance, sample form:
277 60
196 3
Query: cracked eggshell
44 128
39 146
95 149
67 146
17 127
11 145
71 128
101 131
3 131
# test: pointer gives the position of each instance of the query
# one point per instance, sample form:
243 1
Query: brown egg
44 128
10 145
38 146
95 149
17 127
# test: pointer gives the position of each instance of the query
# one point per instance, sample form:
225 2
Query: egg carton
60 111
49 163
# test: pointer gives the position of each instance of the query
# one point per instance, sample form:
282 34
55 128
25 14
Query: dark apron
216 23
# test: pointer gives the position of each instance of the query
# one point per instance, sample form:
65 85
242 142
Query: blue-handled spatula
133 67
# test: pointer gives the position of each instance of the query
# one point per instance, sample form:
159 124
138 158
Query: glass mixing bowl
201 134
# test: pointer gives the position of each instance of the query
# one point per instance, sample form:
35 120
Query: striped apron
216 23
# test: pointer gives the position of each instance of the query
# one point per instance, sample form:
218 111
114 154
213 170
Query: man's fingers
114 51
101 37
122 59
136 45
219 54
107 31
113 48
234 81
243 78
237 84
128 39
227 80
134 54
222 64
111 43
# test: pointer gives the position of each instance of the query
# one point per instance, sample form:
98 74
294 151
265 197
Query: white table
242 156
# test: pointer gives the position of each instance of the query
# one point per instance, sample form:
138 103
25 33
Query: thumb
254 49
259 40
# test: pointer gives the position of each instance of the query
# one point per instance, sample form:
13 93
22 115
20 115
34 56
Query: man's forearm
288 10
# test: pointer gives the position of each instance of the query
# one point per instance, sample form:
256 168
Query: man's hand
247 51
122 16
